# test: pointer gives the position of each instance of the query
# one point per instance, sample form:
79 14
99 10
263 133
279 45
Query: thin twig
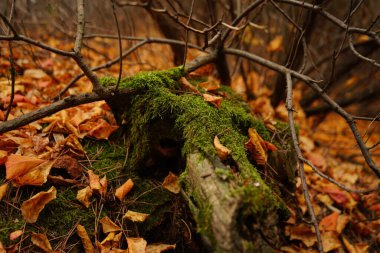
120 46
289 107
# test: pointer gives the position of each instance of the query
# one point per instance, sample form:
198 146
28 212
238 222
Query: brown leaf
108 225
171 183
337 195
355 248
135 216
329 222
188 86
3 156
3 190
136 245
87 245
94 181
102 130
17 165
70 165
35 73
112 240
36 176
222 151
103 184
42 242
124 189
84 196
215 100
275 44
32 207
209 85
159 247
303 233
255 148
15 234
330 241
2 249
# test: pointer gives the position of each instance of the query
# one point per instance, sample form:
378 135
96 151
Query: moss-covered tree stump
237 204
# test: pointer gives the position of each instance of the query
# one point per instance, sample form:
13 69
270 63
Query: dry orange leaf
337 195
87 245
32 207
2 249
15 234
209 85
255 148
108 225
171 183
84 195
222 151
94 181
135 216
215 100
188 85
42 242
275 44
3 190
355 248
3 156
329 222
136 245
124 189
158 247
17 165
330 241
70 165
103 183
303 233
112 240
102 130
36 176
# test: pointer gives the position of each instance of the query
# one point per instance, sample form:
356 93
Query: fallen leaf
112 240
32 207
188 86
36 176
317 159
35 73
330 241
2 249
342 222
275 44
355 248
17 165
86 241
255 148
108 225
42 242
135 216
215 100
70 165
101 130
303 233
15 234
103 184
337 195
94 181
3 156
171 183
84 195
3 190
222 151
329 222
209 85
124 189
136 245
159 247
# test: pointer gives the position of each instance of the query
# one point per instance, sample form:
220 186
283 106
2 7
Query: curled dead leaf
108 225
275 44
215 100
94 181
188 86
222 151
70 165
135 216
15 234
209 85
171 183
36 176
112 241
42 242
136 245
255 148
17 165
159 247
103 183
3 190
84 196
86 242
124 189
32 207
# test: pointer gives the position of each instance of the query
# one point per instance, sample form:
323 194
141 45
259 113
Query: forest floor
349 222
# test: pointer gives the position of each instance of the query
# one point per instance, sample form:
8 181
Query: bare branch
289 107
80 26
120 46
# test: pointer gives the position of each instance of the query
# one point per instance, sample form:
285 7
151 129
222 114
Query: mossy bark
237 205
